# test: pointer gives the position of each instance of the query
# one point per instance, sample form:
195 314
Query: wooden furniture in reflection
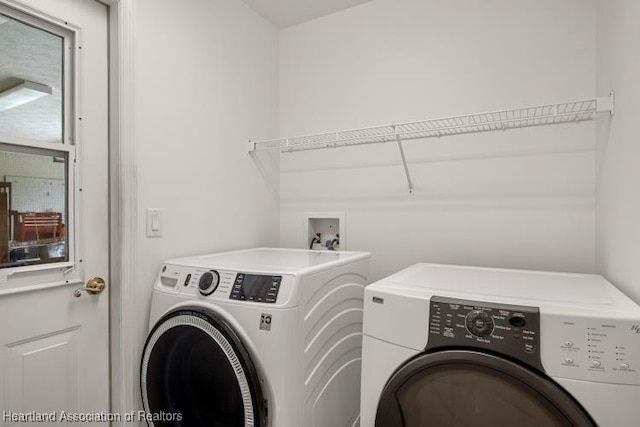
36 225
5 208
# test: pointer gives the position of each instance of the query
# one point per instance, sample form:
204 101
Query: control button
517 321
479 323
516 335
186 282
624 366
568 344
209 282
596 363
568 361
529 347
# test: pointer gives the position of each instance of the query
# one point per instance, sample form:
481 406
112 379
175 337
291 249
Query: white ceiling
285 13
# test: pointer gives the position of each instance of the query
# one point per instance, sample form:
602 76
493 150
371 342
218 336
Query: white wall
523 198
618 226
206 81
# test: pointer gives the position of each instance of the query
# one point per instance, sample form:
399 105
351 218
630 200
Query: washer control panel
256 288
512 330
593 348
215 284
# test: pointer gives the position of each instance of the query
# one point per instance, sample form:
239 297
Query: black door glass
189 374
468 396
472 389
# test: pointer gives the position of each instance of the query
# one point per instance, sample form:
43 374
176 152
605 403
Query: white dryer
260 337
461 346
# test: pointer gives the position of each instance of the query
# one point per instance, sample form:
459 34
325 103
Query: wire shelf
540 115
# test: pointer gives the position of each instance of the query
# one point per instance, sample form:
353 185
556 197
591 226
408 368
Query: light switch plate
154 222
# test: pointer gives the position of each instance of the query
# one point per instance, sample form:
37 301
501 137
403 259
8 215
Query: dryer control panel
512 330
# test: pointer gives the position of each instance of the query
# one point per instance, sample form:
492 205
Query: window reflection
31 82
33 201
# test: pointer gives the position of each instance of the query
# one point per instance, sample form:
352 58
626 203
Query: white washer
462 346
260 337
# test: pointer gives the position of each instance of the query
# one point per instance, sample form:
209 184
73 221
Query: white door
54 203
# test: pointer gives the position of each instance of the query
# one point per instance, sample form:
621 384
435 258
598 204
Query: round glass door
472 389
196 372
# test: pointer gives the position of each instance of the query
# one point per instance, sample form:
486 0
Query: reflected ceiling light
23 92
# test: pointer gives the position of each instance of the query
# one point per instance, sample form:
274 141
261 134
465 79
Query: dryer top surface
272 260
508 286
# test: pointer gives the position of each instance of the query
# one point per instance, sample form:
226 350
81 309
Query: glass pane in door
31 82
33 207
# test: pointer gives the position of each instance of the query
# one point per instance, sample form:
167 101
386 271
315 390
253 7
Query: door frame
123 199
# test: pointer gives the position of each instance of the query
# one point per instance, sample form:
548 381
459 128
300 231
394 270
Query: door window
31 81
36 154
33 208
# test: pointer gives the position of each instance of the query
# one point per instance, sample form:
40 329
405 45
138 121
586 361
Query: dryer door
457 388
196 372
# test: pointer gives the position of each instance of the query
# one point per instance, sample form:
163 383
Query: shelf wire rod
487 124
529 116
496 122
404 161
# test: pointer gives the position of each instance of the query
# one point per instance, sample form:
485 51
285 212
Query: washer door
196 372
457 388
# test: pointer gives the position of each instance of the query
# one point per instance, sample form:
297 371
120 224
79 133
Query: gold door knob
94 286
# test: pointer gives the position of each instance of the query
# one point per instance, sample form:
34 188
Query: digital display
256 288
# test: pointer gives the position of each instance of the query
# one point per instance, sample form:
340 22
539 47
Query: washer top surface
504 285
272 260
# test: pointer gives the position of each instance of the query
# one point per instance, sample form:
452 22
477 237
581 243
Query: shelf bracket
404 162
606 103
251 147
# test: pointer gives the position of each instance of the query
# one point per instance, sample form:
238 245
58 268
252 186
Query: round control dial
209 282
479 323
